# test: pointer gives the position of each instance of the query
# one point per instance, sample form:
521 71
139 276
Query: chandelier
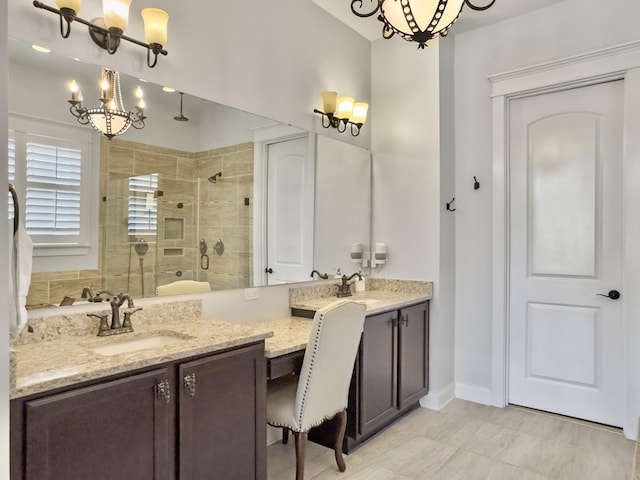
110 118
415 20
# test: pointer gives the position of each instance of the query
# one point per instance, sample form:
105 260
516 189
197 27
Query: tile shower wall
184 195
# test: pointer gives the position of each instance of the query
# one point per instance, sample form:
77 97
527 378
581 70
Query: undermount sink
367 301
157 340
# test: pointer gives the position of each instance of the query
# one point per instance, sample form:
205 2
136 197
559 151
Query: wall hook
476 184
450 204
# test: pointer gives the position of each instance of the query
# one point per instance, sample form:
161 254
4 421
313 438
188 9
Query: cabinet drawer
285 365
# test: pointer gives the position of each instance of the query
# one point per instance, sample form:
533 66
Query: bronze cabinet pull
190 384
163 391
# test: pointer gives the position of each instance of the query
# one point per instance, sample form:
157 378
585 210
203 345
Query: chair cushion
281 397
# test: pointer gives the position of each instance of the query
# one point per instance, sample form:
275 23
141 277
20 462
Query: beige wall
200 209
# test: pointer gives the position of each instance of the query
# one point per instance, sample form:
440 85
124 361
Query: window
50 167
143 205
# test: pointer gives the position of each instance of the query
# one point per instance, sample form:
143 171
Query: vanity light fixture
108 31
416 20
338 112
110 118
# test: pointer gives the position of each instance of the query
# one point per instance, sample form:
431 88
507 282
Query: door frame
621 62
262 138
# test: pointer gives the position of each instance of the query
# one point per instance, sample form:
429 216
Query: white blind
143 205
12 170
53 192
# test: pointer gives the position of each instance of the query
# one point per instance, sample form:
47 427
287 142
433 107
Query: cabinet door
222 416
377 371
413 368
115 430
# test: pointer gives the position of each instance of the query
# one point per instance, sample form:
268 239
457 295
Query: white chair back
323 387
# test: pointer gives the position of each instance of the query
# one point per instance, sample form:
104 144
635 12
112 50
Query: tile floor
469 441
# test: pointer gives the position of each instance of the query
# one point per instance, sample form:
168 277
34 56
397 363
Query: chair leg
340 429
285 435
301 445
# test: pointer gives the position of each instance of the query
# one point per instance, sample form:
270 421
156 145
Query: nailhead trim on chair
306 387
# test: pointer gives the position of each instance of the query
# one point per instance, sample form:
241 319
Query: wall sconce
115 20
110 119
338 112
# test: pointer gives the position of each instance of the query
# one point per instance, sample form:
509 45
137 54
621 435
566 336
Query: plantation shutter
12 170
53 203
143 205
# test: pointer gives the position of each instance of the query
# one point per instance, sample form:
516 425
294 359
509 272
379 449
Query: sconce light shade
116 13
155 25
360 113
329 100
72 4
345 108
107 32
342 112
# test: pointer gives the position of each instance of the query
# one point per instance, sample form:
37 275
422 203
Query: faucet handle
126 323
104 326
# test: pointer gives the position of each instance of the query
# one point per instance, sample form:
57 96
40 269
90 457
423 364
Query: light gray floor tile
470 441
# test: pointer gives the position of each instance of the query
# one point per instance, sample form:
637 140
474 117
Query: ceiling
371 28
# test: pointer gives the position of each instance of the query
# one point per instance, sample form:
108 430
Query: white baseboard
437 400
473 393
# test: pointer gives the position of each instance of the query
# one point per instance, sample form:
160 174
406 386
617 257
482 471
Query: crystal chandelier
110 118
415 20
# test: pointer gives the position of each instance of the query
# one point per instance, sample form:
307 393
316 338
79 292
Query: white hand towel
21 261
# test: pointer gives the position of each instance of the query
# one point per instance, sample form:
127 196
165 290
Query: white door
290 194
565 345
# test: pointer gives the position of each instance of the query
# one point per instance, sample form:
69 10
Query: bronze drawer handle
190 384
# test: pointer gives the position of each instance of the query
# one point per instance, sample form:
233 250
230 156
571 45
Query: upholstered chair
321 391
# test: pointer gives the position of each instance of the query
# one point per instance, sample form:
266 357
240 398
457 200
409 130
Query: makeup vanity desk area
391 371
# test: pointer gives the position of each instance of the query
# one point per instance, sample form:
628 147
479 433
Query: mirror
183 200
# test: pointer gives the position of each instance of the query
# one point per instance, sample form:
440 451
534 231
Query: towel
20 264
183 286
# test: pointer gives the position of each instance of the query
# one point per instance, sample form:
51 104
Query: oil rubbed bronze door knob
613 294
268 270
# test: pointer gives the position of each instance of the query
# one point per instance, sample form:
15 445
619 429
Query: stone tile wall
186 195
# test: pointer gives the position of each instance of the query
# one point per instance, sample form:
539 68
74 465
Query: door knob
268 270
613 294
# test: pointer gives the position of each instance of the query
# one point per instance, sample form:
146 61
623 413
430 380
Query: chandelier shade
111 118
415 20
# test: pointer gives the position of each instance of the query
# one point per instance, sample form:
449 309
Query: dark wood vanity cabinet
392 370
119 429
199 419
390 375
222 417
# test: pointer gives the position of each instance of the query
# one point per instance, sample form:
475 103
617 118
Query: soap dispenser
360 284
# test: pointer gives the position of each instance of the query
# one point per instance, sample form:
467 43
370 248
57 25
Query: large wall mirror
225 198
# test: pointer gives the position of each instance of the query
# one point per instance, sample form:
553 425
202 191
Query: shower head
141 246
214 178
181 117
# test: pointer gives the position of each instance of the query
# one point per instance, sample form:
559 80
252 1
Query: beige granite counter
380 295
69 359
290 334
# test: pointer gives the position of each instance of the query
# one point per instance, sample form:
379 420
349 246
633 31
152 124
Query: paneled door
290 197
565 328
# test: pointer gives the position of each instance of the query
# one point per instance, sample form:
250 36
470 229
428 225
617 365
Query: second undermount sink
368 301
153 340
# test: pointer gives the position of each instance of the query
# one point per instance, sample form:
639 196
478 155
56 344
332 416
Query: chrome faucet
344 290
324 276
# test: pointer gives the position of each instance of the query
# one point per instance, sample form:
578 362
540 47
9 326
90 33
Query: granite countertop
290 334
67 360
377 301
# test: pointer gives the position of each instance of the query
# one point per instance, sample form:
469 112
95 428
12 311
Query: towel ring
16 209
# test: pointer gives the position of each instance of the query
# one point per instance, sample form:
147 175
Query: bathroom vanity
189 409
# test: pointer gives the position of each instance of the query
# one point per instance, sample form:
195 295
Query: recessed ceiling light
168 89
40 49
